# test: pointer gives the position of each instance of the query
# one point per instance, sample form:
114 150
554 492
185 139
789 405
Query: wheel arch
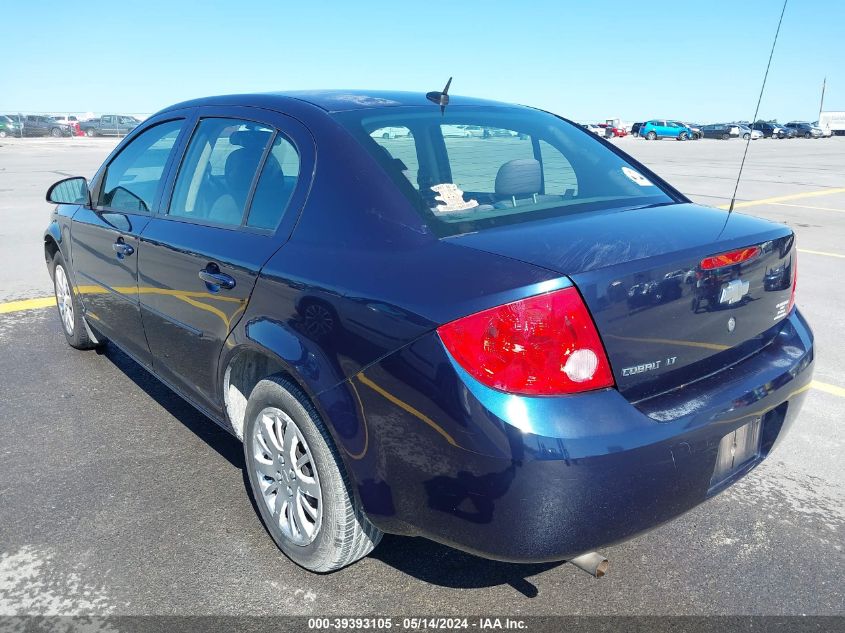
243 366
52 240
266 347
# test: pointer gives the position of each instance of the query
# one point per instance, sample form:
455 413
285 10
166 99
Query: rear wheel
70 311
651 136
2 133
808 135
299 482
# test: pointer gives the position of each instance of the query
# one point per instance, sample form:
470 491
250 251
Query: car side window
218 170
132 178
275 185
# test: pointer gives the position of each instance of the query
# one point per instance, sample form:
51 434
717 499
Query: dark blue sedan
521 343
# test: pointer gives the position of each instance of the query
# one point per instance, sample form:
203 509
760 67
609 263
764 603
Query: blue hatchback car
661 128
523 344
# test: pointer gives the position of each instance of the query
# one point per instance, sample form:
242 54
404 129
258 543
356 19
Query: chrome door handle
122 249
216 280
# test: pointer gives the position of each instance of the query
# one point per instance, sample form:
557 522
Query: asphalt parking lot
116 497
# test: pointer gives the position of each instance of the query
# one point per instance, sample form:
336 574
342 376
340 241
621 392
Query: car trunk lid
665 319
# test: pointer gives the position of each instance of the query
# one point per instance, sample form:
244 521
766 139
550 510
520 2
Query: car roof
334 100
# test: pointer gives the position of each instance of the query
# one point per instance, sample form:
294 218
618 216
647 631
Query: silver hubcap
64 299
287 476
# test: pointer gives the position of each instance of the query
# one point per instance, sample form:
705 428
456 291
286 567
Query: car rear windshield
477 167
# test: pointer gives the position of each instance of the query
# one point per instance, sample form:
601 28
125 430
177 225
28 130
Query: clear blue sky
587 60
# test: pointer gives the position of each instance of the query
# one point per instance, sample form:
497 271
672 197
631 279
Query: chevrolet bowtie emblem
733 291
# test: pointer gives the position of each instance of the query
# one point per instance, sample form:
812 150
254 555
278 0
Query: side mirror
70 191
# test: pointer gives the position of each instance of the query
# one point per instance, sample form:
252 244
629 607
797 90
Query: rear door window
218 171
132 179
276 184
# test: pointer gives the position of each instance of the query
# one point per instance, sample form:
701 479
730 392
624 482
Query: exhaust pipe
593 563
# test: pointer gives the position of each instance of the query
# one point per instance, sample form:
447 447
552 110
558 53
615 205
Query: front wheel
70 311
651 136
55 132
683 136
298 480
726 137
745 137
808 135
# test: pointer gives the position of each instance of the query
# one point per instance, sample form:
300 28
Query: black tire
90 132
55 132
808 135
746 137
2 133
683 136
344 534
651 136
76 334
726 137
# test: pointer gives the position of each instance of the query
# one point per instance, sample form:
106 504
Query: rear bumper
539 479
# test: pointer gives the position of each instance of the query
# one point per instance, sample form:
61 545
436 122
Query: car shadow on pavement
447 567
208 431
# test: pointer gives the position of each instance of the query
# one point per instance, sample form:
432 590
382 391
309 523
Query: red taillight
541 346
794 280
729 259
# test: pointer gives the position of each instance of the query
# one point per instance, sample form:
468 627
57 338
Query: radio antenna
440 98
757 110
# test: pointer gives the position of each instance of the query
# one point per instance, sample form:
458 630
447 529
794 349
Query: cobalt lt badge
731 324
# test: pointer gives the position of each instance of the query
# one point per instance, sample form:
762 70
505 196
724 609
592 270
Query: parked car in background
9 126
746 133
804 129
595 129
723 131
827 132
635 129
39 125
519 381
109 125
773 130
390 132
611 131
696 129
71 121
661 128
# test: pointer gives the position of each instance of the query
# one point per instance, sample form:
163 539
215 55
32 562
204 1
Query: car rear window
472 168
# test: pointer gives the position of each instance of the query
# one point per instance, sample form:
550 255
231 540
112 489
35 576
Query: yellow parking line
792 196
832 389
27 304
826 254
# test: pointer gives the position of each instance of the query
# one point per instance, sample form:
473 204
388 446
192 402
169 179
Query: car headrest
519 177
249 138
